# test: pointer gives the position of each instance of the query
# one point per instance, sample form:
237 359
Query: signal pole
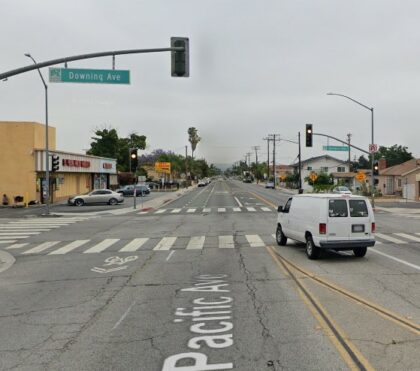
256 149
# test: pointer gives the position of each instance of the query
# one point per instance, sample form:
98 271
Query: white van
327 221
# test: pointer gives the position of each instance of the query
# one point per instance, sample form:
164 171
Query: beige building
22 169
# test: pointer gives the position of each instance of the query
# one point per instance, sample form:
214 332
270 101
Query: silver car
98 196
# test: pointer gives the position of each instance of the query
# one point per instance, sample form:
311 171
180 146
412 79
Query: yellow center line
353 358
263 200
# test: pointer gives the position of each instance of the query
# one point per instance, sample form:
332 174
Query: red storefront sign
107 165
76 163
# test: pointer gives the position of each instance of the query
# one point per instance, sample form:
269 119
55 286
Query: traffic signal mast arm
84 56
342 141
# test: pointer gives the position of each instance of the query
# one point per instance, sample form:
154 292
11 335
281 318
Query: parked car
269 185
327 221
201 183
128 190
342 190
98 196
153 185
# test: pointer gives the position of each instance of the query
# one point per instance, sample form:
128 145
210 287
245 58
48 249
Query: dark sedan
128 190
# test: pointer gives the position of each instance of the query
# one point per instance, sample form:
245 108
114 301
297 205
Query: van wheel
360 252
281 239
312 251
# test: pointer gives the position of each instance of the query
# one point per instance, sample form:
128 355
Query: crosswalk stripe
254 240
101 246
41 222
20 233
24 229
17 246
41 247
8 237
165 243
143 212
69 247
196 243
221 210
408 237
7 241
237 209
265 209
206 210
191 210
160 211
251 209
226 242
134 245
389 238
175 211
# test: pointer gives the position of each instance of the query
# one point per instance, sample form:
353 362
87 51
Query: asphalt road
199 284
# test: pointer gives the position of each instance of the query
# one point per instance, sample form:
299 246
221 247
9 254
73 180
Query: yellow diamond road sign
313 176
360 176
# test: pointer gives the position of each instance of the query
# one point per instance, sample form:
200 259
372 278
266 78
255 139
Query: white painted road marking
170 254
7 241
237 209
160 211
17 233
389 238
69 247
17 246
196 243
226 242
251 209
191 210
41 247
265 209
135 244
254 240
165 243
221 210
239 203
206 210
396 259
123 316
101 246
8 237
175 211
408 237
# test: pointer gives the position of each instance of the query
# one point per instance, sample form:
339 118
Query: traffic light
376 168
133 158
55 163
308 135
180 60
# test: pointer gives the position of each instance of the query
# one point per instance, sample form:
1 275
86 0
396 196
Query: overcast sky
257 67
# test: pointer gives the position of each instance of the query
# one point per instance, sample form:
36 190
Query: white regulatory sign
373 148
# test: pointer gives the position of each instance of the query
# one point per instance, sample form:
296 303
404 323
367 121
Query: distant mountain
223 167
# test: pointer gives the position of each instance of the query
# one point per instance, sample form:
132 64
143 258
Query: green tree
194 139
394 155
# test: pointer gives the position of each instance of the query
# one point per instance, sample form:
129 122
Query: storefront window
100 181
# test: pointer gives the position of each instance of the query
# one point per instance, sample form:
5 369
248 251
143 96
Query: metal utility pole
300 164
274 139
248 156
349 140
268 157
256 149
47 153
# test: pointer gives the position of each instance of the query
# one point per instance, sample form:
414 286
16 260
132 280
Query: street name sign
89 76
335 148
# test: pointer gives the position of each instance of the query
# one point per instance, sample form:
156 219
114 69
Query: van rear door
360 220
338 220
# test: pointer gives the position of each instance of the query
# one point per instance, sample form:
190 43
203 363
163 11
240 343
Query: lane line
239 203
226 242
196 243
41 247
389 238
124 315
69 247
263 200
411 265
170 254
254 240
165 243
408 237
101 246
134 245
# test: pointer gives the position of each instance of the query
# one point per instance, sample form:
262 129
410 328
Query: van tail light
322 228
373 227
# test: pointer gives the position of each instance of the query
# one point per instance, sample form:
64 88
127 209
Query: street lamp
47 154
372 153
